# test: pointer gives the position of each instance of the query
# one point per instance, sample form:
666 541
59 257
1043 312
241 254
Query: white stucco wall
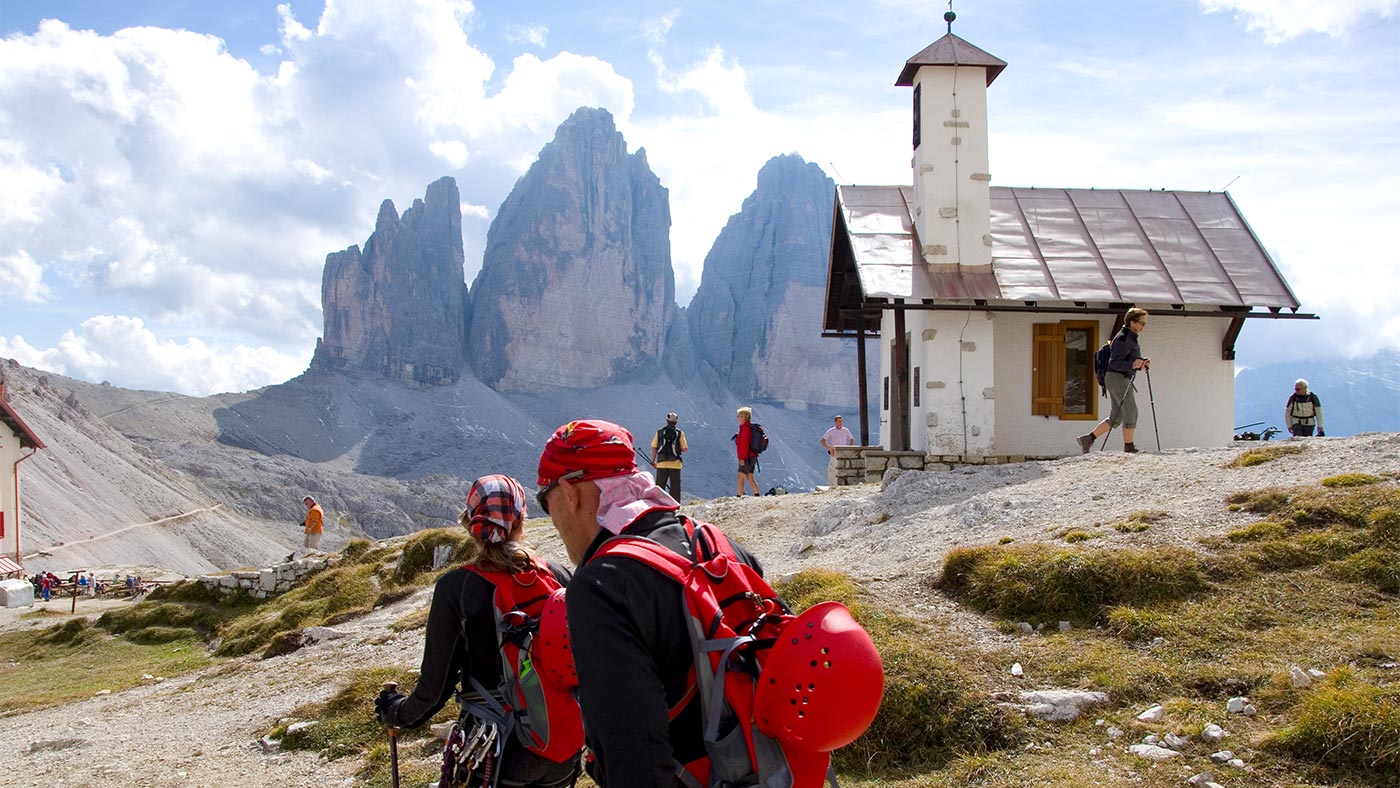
952 188
1193 388
10 452
946 339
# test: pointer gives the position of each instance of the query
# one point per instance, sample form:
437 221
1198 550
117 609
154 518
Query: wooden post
864 393
899 412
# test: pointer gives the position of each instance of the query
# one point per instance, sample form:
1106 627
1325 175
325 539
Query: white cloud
153 166
453 152
538 35
22 279
656 30
475 211
1281 20
122 350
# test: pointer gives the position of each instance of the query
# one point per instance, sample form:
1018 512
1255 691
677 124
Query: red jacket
741 444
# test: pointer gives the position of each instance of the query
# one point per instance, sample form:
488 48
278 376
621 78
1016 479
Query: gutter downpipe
33 450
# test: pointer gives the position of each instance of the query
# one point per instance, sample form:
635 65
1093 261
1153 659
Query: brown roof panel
1190 248
950 51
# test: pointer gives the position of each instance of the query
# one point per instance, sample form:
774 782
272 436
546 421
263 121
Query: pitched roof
1066 245
27 438
950 51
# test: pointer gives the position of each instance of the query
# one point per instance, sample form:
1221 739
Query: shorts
746 467
1123 397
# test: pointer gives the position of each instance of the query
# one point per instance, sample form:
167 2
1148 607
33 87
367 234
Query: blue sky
173 174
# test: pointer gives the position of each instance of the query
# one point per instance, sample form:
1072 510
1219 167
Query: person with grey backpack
1303 413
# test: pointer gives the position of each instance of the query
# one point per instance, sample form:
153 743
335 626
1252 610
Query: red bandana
598 448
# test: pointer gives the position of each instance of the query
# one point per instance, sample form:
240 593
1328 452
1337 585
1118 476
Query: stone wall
861 464
270 581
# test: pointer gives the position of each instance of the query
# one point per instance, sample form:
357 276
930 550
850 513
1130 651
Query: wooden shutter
1047 369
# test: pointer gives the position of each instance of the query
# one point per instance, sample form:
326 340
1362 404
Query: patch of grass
1262 501
1006 540
357 549
412 622
1350 480
1385 524
348 587
74 660
1040 583
417 558
1346 723
1251 457
1258 532
1079 536
1375 566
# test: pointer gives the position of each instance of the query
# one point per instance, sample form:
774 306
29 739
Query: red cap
598 448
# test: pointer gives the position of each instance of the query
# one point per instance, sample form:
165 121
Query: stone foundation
861 464
273 580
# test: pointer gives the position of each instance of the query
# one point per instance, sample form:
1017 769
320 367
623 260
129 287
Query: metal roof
1192 249
950 51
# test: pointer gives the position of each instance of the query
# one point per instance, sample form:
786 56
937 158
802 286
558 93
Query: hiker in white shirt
836 436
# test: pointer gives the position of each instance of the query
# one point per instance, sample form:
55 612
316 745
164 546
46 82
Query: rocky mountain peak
756 318
400 307
576 288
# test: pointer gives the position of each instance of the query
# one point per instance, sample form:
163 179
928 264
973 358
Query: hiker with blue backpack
489 628
1124 360
669 701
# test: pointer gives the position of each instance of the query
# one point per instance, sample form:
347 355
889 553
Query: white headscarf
623 499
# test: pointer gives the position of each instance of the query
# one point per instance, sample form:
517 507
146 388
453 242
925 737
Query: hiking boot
1086 442
1130 448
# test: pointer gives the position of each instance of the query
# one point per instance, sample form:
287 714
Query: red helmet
554 656
821 683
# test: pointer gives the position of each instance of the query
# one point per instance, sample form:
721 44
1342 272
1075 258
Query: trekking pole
393 686
1153 403
641 454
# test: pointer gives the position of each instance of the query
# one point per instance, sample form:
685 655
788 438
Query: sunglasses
548 488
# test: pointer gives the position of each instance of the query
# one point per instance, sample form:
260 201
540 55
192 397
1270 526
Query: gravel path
202 729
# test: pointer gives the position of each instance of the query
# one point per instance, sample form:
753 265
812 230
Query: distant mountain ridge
576 288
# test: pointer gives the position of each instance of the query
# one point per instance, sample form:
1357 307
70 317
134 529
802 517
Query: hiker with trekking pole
1124 360
495 627
669 701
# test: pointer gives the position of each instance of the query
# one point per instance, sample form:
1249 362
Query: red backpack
536 700
798 686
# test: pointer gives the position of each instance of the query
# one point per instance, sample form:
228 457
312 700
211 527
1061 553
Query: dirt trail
124 529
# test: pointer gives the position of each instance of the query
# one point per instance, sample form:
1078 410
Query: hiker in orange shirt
313 525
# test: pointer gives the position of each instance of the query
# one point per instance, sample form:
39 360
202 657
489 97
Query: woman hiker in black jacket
461 639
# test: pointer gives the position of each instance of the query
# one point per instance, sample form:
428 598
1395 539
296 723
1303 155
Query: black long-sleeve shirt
461 635
633 654
1123 352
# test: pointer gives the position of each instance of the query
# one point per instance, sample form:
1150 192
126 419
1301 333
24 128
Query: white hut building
15 438
991 300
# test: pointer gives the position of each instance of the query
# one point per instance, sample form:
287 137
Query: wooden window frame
1048 369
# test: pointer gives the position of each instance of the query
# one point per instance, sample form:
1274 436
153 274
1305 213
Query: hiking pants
1301 430
1124 398
669 479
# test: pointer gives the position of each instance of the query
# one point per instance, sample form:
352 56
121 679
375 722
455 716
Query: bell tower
952 181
